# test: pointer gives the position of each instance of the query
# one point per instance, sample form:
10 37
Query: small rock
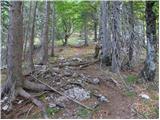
52 105
5 107
56 69
75 75
102 98
94 81
66 63
77 59
67 74
60 105
144 96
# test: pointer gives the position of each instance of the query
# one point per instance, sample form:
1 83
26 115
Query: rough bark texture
105 37
31 41
115 36
45 35
150 66
53 31
15 46
131 40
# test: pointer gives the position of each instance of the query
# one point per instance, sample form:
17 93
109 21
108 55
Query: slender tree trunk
27 32
45 35
85 33
150 66
31 41
53 31
95 31
65 40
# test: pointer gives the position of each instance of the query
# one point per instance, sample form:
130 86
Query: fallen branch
63 94
86 65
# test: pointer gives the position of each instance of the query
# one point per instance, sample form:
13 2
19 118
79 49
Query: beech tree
149 69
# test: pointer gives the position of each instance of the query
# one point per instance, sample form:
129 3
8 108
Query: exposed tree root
11 91
38 103
35 86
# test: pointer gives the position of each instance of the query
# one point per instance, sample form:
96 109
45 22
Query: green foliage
83 113
131 79
52 111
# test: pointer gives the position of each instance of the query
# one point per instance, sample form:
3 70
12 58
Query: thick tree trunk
104 34
15 47
131 40
115 35
31 41
150 66
45 35
53 31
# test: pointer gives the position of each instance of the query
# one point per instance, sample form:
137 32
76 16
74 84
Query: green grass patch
131 79
52 111
83 113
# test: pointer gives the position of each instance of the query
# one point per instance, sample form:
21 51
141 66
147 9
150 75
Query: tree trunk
65 40
95 31
115 36
15 47
27 32
53 31
104 34
85 33
45 36
149 69
31 41
131 40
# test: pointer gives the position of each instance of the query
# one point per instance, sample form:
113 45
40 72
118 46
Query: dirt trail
120 105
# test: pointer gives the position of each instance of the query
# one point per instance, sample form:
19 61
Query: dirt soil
121 103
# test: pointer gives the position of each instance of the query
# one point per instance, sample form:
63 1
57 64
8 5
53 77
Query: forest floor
75 73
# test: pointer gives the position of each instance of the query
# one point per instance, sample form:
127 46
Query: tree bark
27 32
31 41
85 33
131 40
149 69
45 35
95 31
15 47
104 34
53 31
115 35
